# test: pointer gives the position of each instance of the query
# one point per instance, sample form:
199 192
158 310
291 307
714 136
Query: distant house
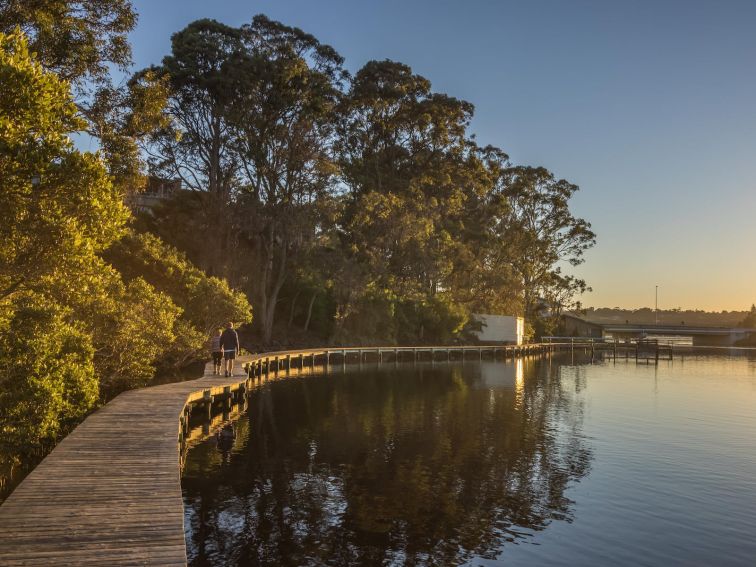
158 189
500 329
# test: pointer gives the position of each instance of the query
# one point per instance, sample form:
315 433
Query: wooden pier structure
110 492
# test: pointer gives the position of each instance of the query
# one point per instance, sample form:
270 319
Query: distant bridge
700 335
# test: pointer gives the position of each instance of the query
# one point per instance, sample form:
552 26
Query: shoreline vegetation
335 207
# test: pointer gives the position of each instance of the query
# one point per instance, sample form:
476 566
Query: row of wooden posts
275 362
642 350
232 397
263 365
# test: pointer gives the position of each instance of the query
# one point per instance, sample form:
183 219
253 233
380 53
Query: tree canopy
414 224
76 39
74 330
80 41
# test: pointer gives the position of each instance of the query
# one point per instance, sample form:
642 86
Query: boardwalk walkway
110 492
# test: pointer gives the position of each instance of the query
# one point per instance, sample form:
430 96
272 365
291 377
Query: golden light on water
519 368
519 374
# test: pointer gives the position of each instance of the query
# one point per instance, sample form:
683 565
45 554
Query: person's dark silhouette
225 440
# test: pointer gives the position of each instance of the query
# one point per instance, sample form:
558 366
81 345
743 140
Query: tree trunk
263 287
292 310
309 310
272 296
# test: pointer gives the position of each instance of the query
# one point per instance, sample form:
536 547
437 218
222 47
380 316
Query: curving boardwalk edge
110 492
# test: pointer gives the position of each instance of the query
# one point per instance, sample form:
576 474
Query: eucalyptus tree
539 235
193 142
285 89
441 222
251 113
482 282
411 175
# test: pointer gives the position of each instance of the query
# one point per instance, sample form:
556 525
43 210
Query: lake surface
550 461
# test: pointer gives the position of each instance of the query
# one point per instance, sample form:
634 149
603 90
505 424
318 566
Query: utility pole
656 306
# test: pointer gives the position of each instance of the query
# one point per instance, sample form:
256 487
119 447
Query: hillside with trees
646 315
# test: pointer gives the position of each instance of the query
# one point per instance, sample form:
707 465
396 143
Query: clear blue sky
649 106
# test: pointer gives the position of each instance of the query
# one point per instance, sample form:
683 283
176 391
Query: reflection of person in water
225 439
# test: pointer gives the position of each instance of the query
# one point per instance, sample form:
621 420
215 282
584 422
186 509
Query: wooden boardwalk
110 492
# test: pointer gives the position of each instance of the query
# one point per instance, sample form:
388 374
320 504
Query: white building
500 329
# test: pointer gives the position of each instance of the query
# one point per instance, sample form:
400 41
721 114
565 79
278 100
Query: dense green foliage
58 210
47 375
356 207
205 303
80 40
73 329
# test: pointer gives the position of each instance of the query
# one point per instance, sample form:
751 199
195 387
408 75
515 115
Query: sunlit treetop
58 205
75 38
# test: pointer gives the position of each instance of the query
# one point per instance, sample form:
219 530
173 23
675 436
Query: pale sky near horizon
650 107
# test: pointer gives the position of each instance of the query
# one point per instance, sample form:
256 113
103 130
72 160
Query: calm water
538 462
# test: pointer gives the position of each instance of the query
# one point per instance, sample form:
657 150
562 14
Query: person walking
217 351
229 343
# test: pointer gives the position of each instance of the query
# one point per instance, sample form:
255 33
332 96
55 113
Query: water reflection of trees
413 467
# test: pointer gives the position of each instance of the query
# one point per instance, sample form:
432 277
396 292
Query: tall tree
413 181
194 142
539 235
421 225
282 113
251 112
